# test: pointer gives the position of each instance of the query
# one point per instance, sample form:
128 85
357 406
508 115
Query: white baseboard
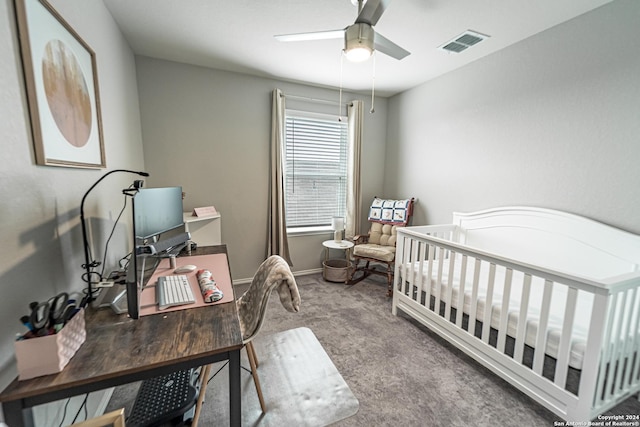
307 272
295 274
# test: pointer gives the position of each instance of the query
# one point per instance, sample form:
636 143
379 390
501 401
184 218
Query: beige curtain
278 243
354 198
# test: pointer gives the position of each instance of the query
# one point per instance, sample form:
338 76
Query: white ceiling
237 35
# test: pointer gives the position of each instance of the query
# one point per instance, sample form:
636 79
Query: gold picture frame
62 88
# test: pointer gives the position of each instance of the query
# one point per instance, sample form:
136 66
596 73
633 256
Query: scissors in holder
61 308
40 318
50 316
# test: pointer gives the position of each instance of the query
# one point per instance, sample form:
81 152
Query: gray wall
39 213
553 121
209 131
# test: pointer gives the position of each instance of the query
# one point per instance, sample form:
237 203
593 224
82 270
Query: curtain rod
306 98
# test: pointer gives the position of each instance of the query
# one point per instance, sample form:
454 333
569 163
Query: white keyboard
173 290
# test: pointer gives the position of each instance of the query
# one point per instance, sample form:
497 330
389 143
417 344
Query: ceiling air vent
463 41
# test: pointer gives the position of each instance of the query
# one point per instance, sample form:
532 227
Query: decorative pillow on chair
390 211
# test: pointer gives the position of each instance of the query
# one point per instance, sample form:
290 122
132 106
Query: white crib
552 280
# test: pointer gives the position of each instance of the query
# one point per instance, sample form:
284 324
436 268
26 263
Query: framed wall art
62 89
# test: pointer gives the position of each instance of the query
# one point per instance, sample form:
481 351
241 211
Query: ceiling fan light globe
358 53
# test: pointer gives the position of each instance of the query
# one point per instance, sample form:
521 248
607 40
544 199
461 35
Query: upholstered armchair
378 246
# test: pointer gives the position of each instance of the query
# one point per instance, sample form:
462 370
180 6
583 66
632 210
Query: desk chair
379 245
114 418
274 272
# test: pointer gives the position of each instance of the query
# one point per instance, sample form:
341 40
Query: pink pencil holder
50 354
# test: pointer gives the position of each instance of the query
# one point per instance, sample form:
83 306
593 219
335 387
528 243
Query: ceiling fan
360 39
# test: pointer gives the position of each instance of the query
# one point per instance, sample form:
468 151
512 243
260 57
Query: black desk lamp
88 264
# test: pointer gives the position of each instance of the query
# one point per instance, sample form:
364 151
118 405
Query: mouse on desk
185 269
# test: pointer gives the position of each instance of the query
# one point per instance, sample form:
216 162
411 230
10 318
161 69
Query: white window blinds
316 168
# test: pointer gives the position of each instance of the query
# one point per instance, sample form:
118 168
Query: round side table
337 270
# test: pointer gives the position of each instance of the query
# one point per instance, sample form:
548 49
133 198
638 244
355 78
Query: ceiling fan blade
388 47
317 35
372 11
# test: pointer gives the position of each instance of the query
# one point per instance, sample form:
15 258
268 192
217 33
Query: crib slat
411 256
605 364
592 373
463 279
618 359
504 311
415 248
618 346
416 276
406 250
635 344
404 247
564 350
474 297
627 351
449 290
427 300
423 250
541 336
522 319
488 305
436 295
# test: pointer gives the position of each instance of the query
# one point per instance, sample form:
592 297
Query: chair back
382 234
274 272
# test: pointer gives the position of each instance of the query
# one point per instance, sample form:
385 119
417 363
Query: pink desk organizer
50 354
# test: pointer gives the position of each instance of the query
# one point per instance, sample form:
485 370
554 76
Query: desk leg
235 395
17 416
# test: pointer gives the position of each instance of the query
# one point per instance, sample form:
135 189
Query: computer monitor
155 211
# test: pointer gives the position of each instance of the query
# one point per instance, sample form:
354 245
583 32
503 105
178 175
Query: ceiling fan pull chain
373 84
340 99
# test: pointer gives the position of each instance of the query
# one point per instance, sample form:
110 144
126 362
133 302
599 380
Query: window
315 169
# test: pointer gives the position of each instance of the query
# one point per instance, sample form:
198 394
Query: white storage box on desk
50 354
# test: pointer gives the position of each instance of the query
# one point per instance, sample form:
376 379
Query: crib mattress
557 306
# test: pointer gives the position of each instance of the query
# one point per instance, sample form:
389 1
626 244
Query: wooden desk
119 350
